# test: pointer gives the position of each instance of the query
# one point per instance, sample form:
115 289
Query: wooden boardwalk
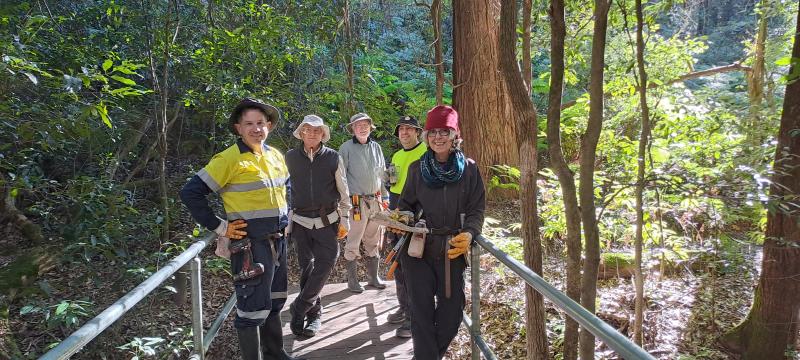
354 326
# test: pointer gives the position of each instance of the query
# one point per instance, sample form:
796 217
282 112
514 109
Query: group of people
316 196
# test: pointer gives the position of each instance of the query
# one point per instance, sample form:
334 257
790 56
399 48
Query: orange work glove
460 244
233 232
344 228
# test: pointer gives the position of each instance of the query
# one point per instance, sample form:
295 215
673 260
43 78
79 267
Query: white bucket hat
315 121
359 117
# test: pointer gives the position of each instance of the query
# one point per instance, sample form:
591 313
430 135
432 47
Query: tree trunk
525 116
643 139
127 146
479 93
348 59
755 78
588 149
770 329
526 65
438 58
562 171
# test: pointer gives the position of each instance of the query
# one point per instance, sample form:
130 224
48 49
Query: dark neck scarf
436 175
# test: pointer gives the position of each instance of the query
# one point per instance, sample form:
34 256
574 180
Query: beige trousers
364 231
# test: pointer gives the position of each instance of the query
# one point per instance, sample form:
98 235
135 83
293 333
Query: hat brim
397 129
326 131
273 115
349 127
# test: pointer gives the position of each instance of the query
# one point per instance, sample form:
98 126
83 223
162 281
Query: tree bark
525 116
526 64
770 329
640 163
438 58
586 189
348 59
755 78
565 177
479 93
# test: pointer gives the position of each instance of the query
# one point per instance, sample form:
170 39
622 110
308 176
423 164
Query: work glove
396 231
385 204
222 249
344 228
460 244
231 229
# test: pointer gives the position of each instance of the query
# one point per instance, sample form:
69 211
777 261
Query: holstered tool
390 273
397 248
250 269
356 201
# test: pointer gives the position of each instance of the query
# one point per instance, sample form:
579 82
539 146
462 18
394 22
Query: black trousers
399 274
317 251
436 318
264 295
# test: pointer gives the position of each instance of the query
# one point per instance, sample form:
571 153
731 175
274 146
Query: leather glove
460 244
222 249
231 229
344 228
396 231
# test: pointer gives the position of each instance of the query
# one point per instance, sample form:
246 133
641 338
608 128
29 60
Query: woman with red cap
446 188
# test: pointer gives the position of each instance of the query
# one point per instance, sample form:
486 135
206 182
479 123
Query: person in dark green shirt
408 131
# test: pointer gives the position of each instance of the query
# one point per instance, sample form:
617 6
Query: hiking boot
397 317
372 274
404 331
352 277
312 327
296 324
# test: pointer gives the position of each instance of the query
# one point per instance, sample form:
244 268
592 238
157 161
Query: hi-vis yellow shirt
401 160
252 186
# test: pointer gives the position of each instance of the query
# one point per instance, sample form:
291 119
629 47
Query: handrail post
197 309
475 329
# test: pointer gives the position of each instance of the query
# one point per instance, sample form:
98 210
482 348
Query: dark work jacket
313 182
441 208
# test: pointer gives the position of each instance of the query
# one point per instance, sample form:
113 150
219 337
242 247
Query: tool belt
314 212
356 201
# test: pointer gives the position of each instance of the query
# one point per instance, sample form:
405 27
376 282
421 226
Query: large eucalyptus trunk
562 171
770 329
479 94
588 156
525 116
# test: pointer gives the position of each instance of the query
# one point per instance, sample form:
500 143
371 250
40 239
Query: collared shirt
365 166
252 186
344 204
401 160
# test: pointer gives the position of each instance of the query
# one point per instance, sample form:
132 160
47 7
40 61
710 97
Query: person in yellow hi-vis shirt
252 179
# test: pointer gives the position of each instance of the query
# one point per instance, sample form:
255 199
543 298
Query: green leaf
14 192
32 78
107 64
123 80
103 112
28 309
61 307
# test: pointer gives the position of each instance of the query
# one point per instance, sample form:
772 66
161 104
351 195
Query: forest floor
685 312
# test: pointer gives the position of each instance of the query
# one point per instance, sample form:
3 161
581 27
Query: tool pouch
416 245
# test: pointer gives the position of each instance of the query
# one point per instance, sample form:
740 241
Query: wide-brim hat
409 121
315 121
358 117
272 113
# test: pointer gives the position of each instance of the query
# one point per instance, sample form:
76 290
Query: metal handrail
78 339
610 336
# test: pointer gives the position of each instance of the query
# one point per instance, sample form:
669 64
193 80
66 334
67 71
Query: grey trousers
317 251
